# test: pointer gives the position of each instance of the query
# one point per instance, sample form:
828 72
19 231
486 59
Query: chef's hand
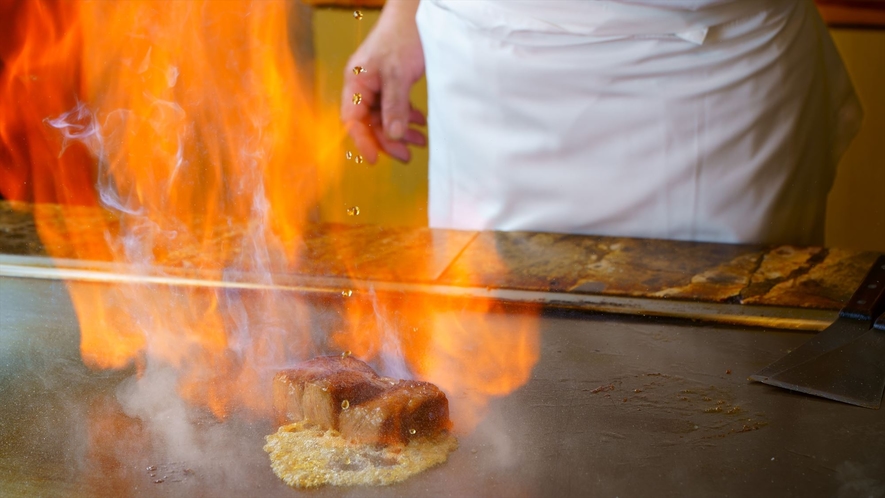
393 61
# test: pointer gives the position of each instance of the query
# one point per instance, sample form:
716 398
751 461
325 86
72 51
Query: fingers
382 118
415 137
357 89
417 117
364 140
395 106
394 61
395 148
357 116
370 138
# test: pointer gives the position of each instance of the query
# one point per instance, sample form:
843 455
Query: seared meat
408 409
345 394
318 387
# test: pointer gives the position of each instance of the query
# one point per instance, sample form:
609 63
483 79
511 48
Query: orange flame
188 122
40 77
459 345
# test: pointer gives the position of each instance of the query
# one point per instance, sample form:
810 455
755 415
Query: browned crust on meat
345 394
407 410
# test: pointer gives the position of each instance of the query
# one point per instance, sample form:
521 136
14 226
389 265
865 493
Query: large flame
474 349
188 123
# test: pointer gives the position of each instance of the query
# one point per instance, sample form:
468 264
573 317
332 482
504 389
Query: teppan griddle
616 406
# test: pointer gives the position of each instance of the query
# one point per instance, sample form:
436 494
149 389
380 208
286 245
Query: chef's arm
392 61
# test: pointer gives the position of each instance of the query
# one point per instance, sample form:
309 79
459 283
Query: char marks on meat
345 394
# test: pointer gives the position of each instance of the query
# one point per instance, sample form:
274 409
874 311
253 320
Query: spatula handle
868 300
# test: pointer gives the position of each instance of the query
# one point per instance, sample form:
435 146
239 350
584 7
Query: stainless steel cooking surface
615 407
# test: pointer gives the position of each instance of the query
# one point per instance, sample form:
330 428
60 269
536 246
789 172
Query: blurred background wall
856 208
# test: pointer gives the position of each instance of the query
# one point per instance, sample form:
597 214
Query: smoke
391 358
205 150
77 125
231 341
148 398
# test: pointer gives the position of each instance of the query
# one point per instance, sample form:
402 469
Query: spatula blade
841 332
853 373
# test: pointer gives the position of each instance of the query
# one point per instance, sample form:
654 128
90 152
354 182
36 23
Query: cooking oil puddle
306 456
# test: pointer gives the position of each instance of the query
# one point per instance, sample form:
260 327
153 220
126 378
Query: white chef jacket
707 120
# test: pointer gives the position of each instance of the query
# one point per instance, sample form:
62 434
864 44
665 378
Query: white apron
702 120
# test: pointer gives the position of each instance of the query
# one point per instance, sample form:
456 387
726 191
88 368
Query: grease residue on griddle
673 404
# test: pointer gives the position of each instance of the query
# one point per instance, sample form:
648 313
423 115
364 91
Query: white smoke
77 125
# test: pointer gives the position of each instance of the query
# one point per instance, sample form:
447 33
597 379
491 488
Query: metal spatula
845 362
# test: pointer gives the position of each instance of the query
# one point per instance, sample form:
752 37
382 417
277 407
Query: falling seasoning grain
346 293
348 155
353 211
357 98
358 69
358 15
345 404
412 431
346 354
358 159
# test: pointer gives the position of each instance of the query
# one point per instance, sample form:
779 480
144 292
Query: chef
710 120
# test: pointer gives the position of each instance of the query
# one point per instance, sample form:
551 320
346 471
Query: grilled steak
408 409
345 394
